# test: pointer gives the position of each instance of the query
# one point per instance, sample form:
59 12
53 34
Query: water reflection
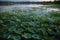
53 9
41 8
21 5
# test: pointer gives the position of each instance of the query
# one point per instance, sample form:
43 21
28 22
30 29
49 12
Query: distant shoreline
44 3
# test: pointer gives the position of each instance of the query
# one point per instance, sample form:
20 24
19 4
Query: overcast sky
25 0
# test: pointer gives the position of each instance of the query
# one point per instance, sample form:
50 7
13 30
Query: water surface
40 8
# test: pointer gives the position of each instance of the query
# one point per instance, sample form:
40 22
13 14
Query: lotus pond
30 23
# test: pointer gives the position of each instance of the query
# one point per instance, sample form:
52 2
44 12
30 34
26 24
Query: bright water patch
28 8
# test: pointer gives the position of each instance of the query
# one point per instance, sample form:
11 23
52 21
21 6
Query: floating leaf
26 35
35 36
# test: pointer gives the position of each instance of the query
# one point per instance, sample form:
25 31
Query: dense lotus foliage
19 26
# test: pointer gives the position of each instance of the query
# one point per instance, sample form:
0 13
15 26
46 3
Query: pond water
40 7
21 5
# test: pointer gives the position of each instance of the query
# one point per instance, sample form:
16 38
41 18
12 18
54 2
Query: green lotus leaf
14 37
27 35
35 36
1 21
25 24
18 31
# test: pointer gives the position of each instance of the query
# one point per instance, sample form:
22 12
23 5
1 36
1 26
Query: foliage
29 27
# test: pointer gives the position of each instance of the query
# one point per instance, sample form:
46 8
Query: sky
25 0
